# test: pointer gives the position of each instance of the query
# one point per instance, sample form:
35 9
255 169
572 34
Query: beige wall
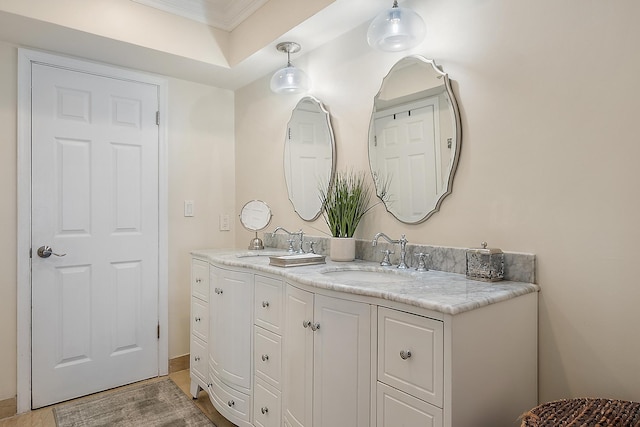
201 164
549 99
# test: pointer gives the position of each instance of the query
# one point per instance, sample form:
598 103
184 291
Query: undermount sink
371 276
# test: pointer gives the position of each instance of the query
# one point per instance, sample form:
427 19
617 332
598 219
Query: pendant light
396 29
289 79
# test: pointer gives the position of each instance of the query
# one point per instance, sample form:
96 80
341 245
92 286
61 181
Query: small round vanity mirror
255 216
414 139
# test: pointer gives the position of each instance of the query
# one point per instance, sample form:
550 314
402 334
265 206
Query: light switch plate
188 208
224 222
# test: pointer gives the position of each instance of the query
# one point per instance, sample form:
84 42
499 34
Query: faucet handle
311 248
386 262
422 261
291 249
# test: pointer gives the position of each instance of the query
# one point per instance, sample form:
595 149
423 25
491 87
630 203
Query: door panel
95 199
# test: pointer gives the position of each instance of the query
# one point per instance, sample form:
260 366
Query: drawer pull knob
231 403
265 357
265 304
264 410
197 358
218 291
198 280
405 354
197 319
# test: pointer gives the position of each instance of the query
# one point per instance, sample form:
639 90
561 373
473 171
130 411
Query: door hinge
158 118
158 330
30 253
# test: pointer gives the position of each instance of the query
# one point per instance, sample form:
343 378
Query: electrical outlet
224 222
188 208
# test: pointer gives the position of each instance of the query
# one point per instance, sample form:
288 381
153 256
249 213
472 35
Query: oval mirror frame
309 156
434 130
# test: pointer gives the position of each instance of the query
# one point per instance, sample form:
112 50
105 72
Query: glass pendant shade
396 29
289 80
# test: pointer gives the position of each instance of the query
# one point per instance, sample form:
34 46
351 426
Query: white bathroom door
95 204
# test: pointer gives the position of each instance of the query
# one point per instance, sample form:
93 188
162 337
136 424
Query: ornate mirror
309 156
414 139
255 215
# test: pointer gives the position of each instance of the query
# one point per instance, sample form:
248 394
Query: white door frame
25 58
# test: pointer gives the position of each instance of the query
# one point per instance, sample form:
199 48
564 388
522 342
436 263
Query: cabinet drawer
199 318
198 362
268 306
230 401
200 279
411 354
267 360
396 408
266 405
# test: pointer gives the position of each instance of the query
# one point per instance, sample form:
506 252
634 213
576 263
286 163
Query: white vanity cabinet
327 361
230 339
199 321
287 348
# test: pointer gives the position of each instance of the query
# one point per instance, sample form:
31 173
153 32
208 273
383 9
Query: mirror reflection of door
414 139
308 157
408 157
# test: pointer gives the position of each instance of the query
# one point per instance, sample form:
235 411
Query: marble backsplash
518 267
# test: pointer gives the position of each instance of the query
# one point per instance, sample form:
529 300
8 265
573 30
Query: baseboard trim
8 408
179 363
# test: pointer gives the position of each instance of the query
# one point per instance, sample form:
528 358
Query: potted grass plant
344 204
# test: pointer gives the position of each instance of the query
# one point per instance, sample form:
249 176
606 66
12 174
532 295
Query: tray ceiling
222 14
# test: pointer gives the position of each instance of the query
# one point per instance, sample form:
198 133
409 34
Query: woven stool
584 413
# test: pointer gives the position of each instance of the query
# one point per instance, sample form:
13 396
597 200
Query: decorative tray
296 260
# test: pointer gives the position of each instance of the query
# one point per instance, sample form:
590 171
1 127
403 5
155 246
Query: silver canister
485 264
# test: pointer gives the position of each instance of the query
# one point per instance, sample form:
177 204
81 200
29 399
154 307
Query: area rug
156 404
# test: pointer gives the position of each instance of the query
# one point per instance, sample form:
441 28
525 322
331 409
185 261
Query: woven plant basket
585 412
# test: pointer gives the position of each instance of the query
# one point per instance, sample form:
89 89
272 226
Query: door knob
46 252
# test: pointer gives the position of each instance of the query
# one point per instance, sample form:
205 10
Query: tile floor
44 417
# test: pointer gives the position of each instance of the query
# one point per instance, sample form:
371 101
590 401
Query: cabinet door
231 309
398 409
297 356
200 279
268 304
342 363
411 354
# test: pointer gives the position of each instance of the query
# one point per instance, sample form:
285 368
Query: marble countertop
447 293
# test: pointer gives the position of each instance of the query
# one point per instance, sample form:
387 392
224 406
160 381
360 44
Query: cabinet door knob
405 354
264 410
306 323
231 403
198 280
218 291
197 319
265 357
315 326
265 304
197 358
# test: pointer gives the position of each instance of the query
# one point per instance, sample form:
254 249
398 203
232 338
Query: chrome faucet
297 233
403 247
